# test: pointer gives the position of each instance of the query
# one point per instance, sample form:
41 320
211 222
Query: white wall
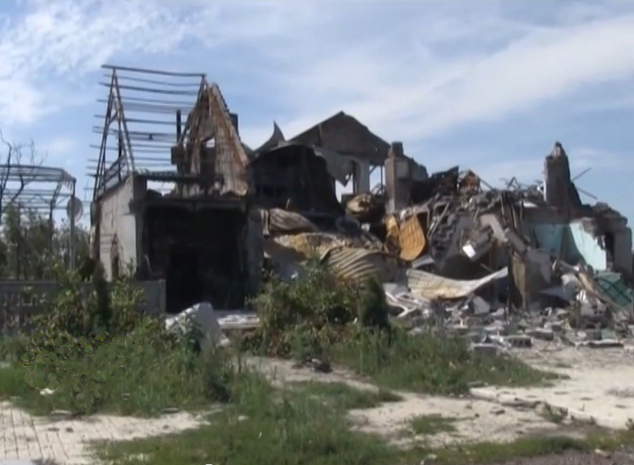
116 218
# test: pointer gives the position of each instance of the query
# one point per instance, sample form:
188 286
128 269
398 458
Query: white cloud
58 148
408 70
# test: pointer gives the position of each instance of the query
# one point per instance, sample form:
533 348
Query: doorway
183 281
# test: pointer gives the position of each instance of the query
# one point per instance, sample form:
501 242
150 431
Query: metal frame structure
56 191
135 93
143 114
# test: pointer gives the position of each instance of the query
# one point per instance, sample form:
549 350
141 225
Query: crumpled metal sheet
412 240
431 286
360 264
278 221
300 247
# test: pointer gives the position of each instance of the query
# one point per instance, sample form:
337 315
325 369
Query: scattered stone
498 411
125 395
556 326
320 366
541 333
171 410
520 341
488 350
61 413
461 329
604 344
602 453
593 335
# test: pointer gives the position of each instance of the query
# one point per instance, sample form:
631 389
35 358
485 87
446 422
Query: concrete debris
199 321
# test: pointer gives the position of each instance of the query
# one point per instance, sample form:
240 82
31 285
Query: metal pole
71 246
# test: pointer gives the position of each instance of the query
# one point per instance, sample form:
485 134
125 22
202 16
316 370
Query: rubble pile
500 266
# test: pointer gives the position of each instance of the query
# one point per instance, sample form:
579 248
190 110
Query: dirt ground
475 420
599 385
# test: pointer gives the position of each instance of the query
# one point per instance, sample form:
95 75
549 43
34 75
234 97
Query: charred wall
201 252
293 178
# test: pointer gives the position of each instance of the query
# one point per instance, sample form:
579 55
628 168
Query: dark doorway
200 254
183 284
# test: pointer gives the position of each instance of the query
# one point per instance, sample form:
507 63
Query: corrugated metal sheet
412 240
299 247
360 264
431 286
278 221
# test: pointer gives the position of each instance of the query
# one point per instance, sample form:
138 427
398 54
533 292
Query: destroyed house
184 219
351 151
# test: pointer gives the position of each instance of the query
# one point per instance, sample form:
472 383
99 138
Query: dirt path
475 420
599 385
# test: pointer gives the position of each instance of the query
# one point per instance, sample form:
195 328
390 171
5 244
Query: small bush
304 317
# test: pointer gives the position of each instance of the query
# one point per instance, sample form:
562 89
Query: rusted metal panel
299 247
412 239
431 286
360 264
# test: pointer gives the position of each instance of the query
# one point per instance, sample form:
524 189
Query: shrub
85 340
305 316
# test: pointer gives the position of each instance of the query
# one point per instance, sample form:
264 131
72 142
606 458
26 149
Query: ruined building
185 220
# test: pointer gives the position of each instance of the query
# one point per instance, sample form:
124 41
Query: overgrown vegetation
95 350
321 316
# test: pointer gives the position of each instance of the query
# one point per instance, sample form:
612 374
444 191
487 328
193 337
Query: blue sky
489 85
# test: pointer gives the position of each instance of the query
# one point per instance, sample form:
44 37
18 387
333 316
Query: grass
269 426
433 424
432 364
552 415
145 382
264 426
341 396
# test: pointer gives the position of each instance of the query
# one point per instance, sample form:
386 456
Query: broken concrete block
604 344
541 333
556 326
488 350
499 314
498 328
593 335
479 306
477 336
519 341
460 329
